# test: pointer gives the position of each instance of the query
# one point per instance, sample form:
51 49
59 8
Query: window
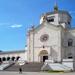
68 22
70 56
44 38
70 42
50 19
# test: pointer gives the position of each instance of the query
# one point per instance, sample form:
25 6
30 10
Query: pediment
49 26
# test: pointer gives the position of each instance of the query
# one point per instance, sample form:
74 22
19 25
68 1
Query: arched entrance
18 58
43 55
8 58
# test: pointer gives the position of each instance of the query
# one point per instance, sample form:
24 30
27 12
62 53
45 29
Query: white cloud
16 26
7 25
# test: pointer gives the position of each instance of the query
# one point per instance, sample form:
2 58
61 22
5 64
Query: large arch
0 60
43 55
3 59
17 58
8 58
13 58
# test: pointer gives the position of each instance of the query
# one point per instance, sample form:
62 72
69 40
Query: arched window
50 19
70 42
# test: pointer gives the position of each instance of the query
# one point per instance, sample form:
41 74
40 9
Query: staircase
55 67
30 67
58 66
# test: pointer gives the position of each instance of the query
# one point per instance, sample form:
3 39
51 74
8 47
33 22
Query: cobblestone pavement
34 73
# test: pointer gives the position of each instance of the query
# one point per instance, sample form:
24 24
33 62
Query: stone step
30 67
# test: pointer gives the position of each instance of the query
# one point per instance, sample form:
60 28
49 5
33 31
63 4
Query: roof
11 52
59 11
46 24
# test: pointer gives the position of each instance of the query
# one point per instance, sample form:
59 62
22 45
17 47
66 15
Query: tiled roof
9 52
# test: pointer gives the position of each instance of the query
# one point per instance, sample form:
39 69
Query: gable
46 25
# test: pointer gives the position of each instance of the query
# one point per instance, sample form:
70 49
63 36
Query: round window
44 37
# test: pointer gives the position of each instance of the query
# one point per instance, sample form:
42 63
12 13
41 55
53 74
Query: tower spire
55 6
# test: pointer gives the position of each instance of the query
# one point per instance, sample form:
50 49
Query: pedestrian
20 70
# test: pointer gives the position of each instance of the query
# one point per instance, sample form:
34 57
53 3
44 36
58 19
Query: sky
17 17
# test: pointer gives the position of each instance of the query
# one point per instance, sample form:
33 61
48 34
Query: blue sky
17 16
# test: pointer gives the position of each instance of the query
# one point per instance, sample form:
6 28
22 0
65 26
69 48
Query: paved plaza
34 73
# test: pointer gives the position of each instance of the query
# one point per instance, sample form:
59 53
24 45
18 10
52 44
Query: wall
54 42
22 55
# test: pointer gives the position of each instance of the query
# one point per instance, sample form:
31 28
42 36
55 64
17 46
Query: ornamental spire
55 6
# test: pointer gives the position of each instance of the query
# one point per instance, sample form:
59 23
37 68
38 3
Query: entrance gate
43 55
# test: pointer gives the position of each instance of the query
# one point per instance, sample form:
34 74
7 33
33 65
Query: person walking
20 70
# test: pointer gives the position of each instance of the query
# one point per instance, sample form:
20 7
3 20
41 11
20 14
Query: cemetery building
53 40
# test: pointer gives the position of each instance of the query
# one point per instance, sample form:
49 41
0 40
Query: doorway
45 58
43 55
